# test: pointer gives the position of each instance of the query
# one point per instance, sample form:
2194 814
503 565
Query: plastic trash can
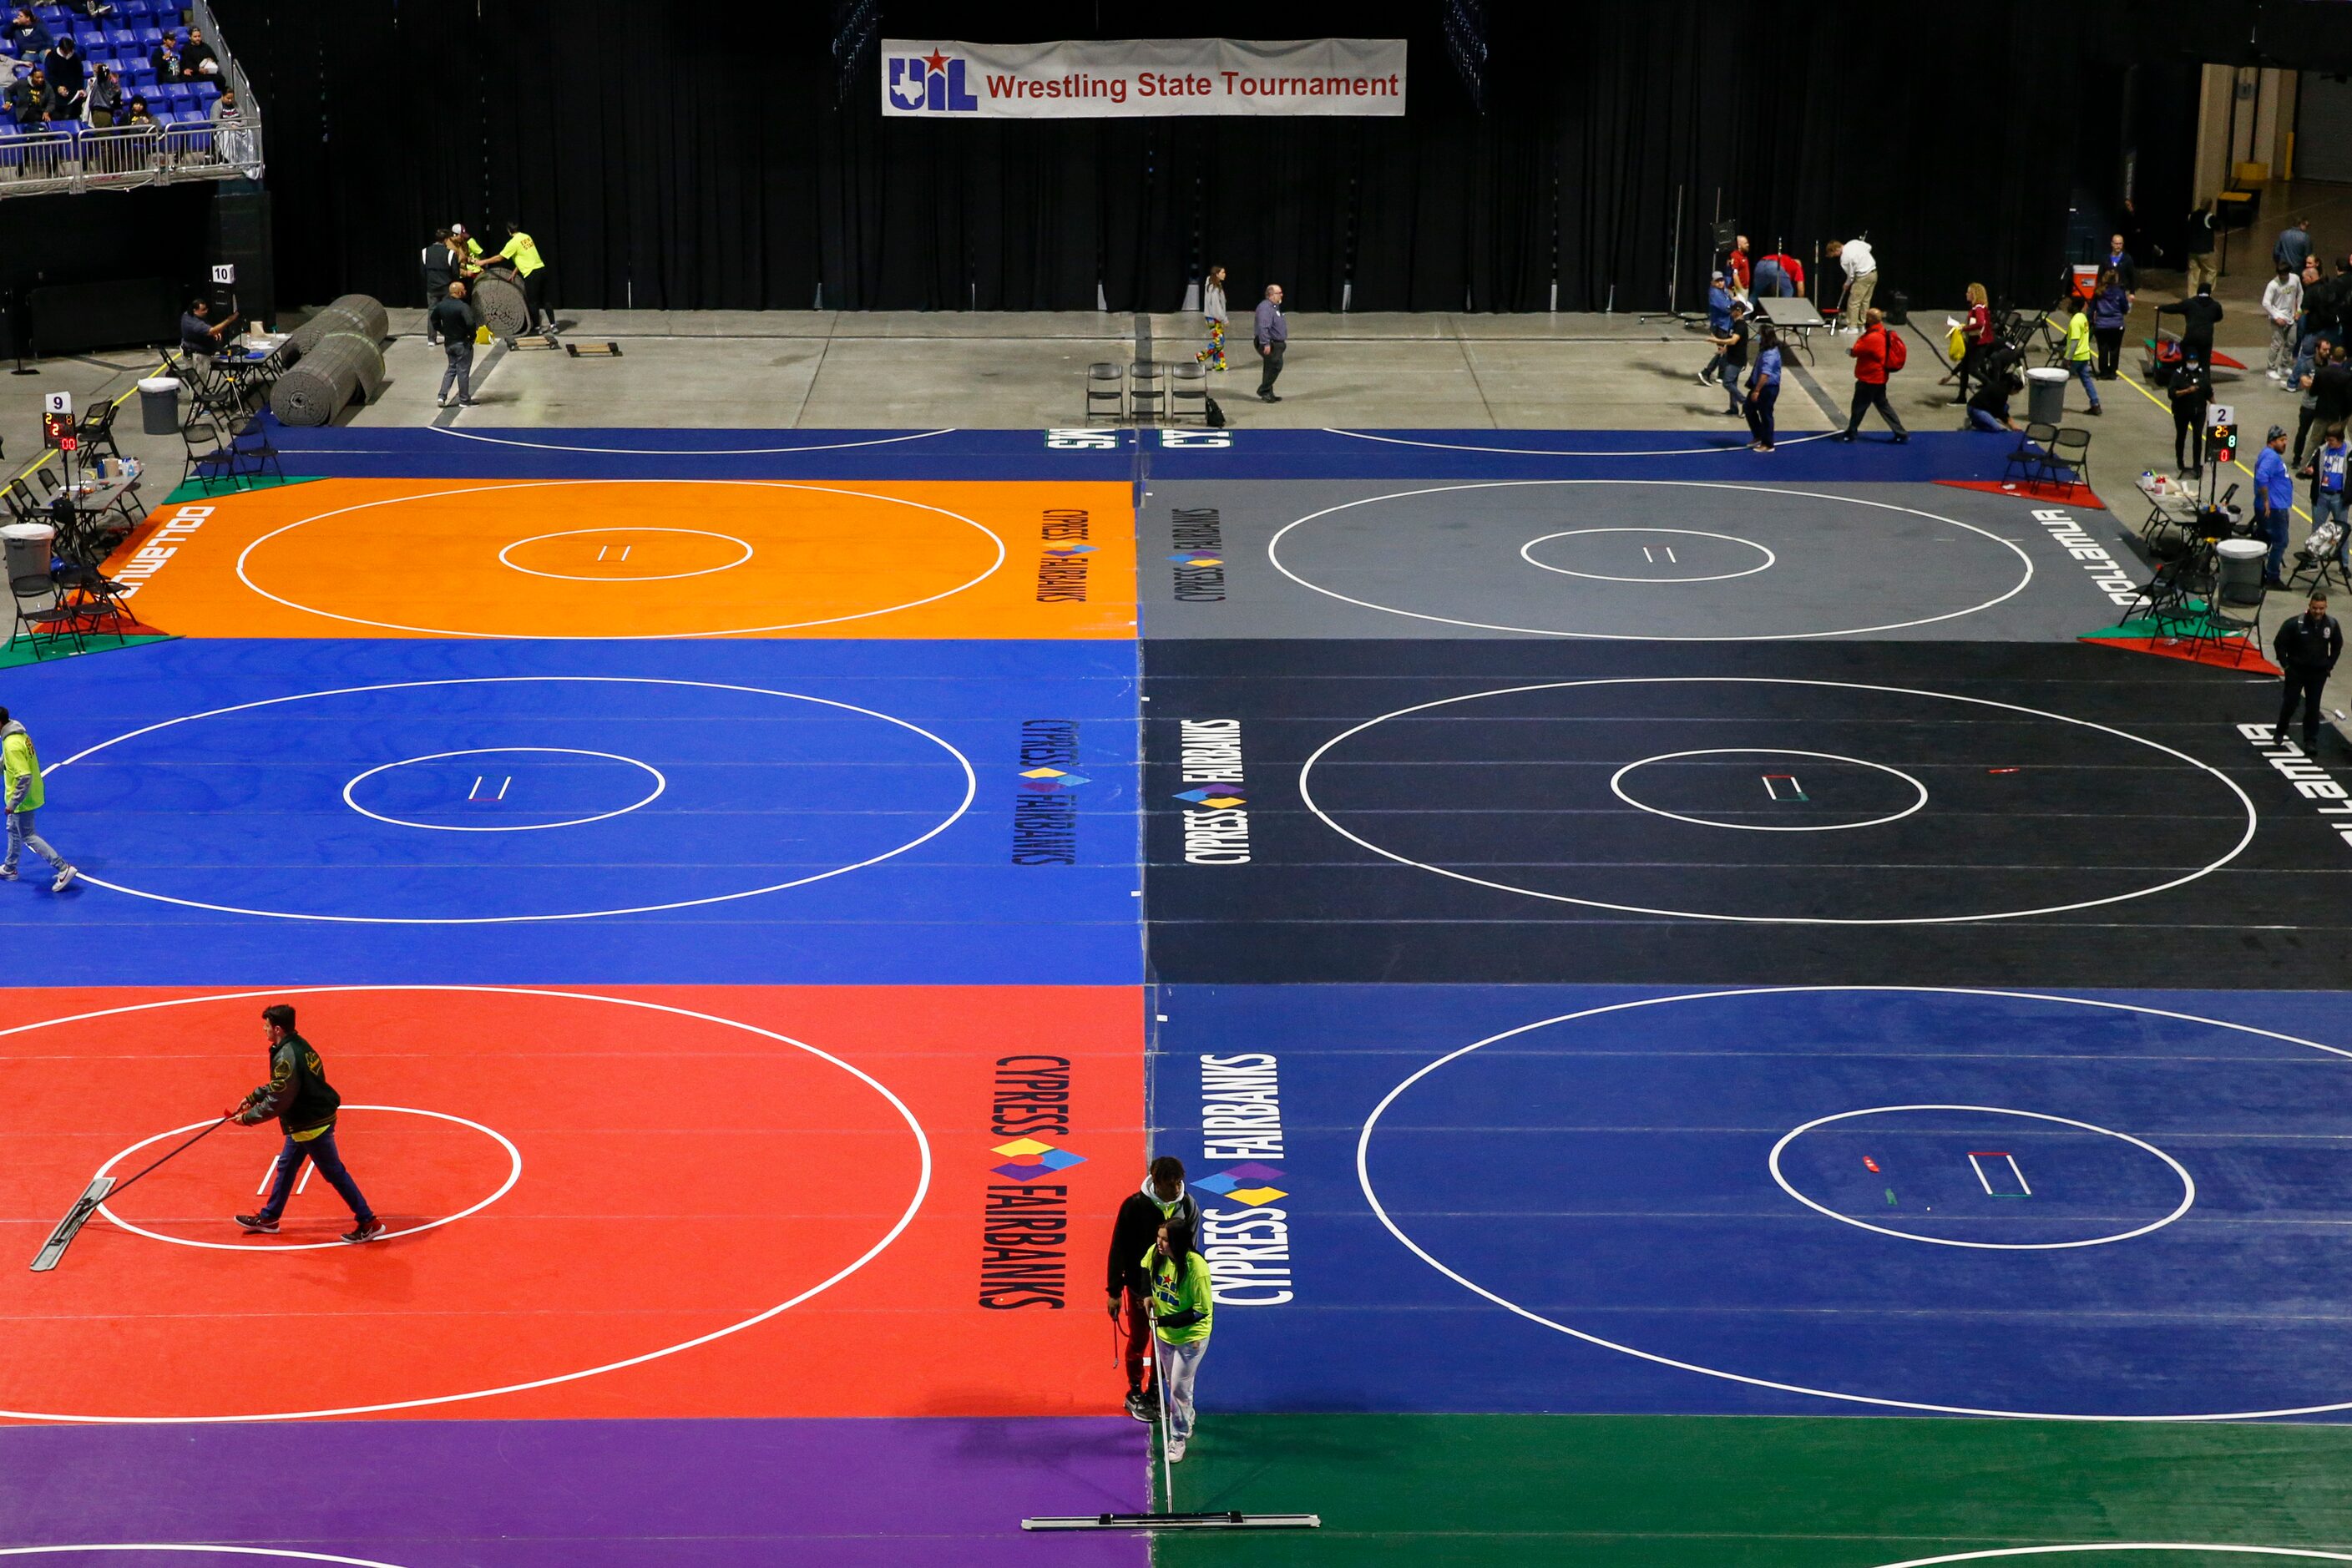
29 549
2241 569
159 406
2045 395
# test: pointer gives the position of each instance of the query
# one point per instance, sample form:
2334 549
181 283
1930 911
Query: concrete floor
836 370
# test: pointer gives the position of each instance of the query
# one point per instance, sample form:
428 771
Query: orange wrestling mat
637 1201
641 558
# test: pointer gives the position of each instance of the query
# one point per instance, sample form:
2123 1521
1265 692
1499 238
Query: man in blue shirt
2274 504
1272 338
1718 325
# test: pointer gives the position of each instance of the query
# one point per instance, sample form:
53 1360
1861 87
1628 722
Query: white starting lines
2017 1173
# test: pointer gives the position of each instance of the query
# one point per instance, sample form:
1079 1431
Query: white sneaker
65 880
7 873
1176 1451
440 403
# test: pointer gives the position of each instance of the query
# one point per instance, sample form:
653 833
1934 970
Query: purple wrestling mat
573 1494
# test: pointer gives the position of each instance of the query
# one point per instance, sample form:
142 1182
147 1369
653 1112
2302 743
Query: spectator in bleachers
105 96
197 59
28 100
138 113
68 76
96 10
226 107
26 36
165 61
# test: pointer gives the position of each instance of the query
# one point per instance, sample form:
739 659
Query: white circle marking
245 555
514 1174
1526 553
1364 1181
970 788
1306 795
655 577
2188 1183
660 784
1274 556
922 1189
1617 788
1562 452
701 451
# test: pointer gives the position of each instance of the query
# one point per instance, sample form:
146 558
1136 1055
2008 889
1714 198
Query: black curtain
710 163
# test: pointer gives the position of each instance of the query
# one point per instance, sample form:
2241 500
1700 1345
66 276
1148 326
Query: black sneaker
1138 1405
367 1229
253 1225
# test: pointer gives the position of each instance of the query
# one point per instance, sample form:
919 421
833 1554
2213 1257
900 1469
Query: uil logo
932 83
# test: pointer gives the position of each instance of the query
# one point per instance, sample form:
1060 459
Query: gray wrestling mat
1652 558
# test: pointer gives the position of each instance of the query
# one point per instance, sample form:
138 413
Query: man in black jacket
298 1095
1162 1200
2197 315
2307 649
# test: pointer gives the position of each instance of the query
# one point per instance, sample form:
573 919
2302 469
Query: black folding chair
210 458
2070 455
2031 454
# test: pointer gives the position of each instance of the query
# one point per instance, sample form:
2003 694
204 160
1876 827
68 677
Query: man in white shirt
1861 279
2283 303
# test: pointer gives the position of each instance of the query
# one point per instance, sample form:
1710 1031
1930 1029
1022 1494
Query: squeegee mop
53 1250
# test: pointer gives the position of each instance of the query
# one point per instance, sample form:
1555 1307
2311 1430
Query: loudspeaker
1897 307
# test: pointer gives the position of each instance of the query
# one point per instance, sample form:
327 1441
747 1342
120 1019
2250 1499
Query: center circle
430 786
1456 556
1661 562
265 1244
1767 792
614 547
1997 1169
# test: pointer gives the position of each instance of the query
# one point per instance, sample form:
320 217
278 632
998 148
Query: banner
1112 79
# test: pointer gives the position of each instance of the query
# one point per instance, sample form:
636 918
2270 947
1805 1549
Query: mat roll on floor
339 368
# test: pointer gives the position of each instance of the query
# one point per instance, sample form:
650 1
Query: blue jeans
2087 370
22 837
2273 528
320 1151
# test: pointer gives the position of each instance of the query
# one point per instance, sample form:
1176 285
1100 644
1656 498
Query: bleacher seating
127 41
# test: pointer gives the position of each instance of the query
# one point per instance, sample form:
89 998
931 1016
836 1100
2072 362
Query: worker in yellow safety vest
522 253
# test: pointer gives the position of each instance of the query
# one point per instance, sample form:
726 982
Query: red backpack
1898 353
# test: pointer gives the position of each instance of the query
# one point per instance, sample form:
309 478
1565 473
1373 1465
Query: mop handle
181 1149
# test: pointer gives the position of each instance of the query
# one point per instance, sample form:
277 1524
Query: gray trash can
29 546
2046 396
2241 569
159 406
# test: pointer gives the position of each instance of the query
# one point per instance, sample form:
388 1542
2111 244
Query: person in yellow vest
20 779
468 248
1183 1310
2080 360
523 254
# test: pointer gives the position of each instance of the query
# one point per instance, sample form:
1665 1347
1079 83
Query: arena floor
1714 1021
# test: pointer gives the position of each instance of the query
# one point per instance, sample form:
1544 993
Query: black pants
2189 435
2303 424
1867 395
2111 350
1971 364
432 298
1273 359
2303 683
1759 411
534 296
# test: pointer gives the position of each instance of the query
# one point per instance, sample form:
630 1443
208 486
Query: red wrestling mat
641 1202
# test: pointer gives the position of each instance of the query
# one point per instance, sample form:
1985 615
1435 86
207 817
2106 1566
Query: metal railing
119 157
89 158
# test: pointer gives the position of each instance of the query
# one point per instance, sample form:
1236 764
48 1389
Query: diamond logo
1250 1184
1197 558
1027 1160
1074 550
1045 774
1219 797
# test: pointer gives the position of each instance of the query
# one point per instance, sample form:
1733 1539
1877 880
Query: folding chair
2217 626
2031 454
210 457
95 431
1106 392
43 616
1144 392
2069 451
1187 396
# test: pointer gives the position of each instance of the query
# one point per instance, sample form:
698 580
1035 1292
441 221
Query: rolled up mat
504 310
341 367
361 313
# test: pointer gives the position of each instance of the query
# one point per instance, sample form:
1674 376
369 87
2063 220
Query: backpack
1898 353
1214 415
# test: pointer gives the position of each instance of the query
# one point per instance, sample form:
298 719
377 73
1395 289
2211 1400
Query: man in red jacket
1870 354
